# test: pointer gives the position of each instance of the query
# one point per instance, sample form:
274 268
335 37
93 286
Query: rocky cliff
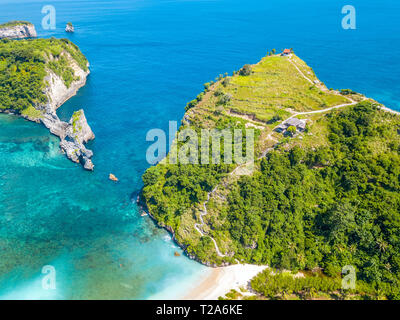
76 132
69 28
17 30
63 69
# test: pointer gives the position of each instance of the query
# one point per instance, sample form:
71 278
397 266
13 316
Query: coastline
219 280
144 209
222 280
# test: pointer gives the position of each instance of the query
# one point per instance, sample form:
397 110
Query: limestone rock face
18 31
57 91
73 135
79 129
69 28
76 132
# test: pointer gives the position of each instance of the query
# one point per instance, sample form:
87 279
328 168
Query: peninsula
324 191
36 77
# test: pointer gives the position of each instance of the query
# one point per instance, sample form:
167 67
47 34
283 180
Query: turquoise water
148 58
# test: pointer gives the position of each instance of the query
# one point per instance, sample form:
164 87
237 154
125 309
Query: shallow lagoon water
148 58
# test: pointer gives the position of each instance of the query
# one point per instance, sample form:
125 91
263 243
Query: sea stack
17 30
70 28
77 133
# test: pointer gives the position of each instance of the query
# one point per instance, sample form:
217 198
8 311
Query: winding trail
301 72
204 212
198 227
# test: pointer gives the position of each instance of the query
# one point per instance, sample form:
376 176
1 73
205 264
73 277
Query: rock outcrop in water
69 28
17 30
76 132
73 135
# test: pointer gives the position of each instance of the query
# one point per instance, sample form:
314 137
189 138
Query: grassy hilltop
323 198
14 23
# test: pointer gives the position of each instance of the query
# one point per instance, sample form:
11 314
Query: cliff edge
17 30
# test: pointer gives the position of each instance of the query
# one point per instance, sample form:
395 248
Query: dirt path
199 226
301 72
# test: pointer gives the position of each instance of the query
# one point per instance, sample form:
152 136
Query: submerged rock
112 177
17 30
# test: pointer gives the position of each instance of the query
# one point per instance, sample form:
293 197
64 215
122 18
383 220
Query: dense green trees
330 207
23 69
327 207
281 285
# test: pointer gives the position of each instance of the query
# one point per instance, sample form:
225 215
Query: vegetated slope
326 198
14 23
327 205
24 66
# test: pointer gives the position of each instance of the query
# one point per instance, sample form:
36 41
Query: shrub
246 70
274 119
291 130
225 99
346 92
218 93
191 105
226 82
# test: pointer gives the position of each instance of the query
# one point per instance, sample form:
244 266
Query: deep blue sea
148 58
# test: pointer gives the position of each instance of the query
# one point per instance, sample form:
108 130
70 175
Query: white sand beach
222 280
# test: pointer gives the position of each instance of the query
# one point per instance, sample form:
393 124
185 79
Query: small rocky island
69 28
17 30
46 73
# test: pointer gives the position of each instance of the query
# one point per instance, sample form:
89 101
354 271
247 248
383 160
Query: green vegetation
61 67
325 199
14 23
273 87
327 207
75 118
23 68
346 92
278 285
292 130
32 113
245 71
